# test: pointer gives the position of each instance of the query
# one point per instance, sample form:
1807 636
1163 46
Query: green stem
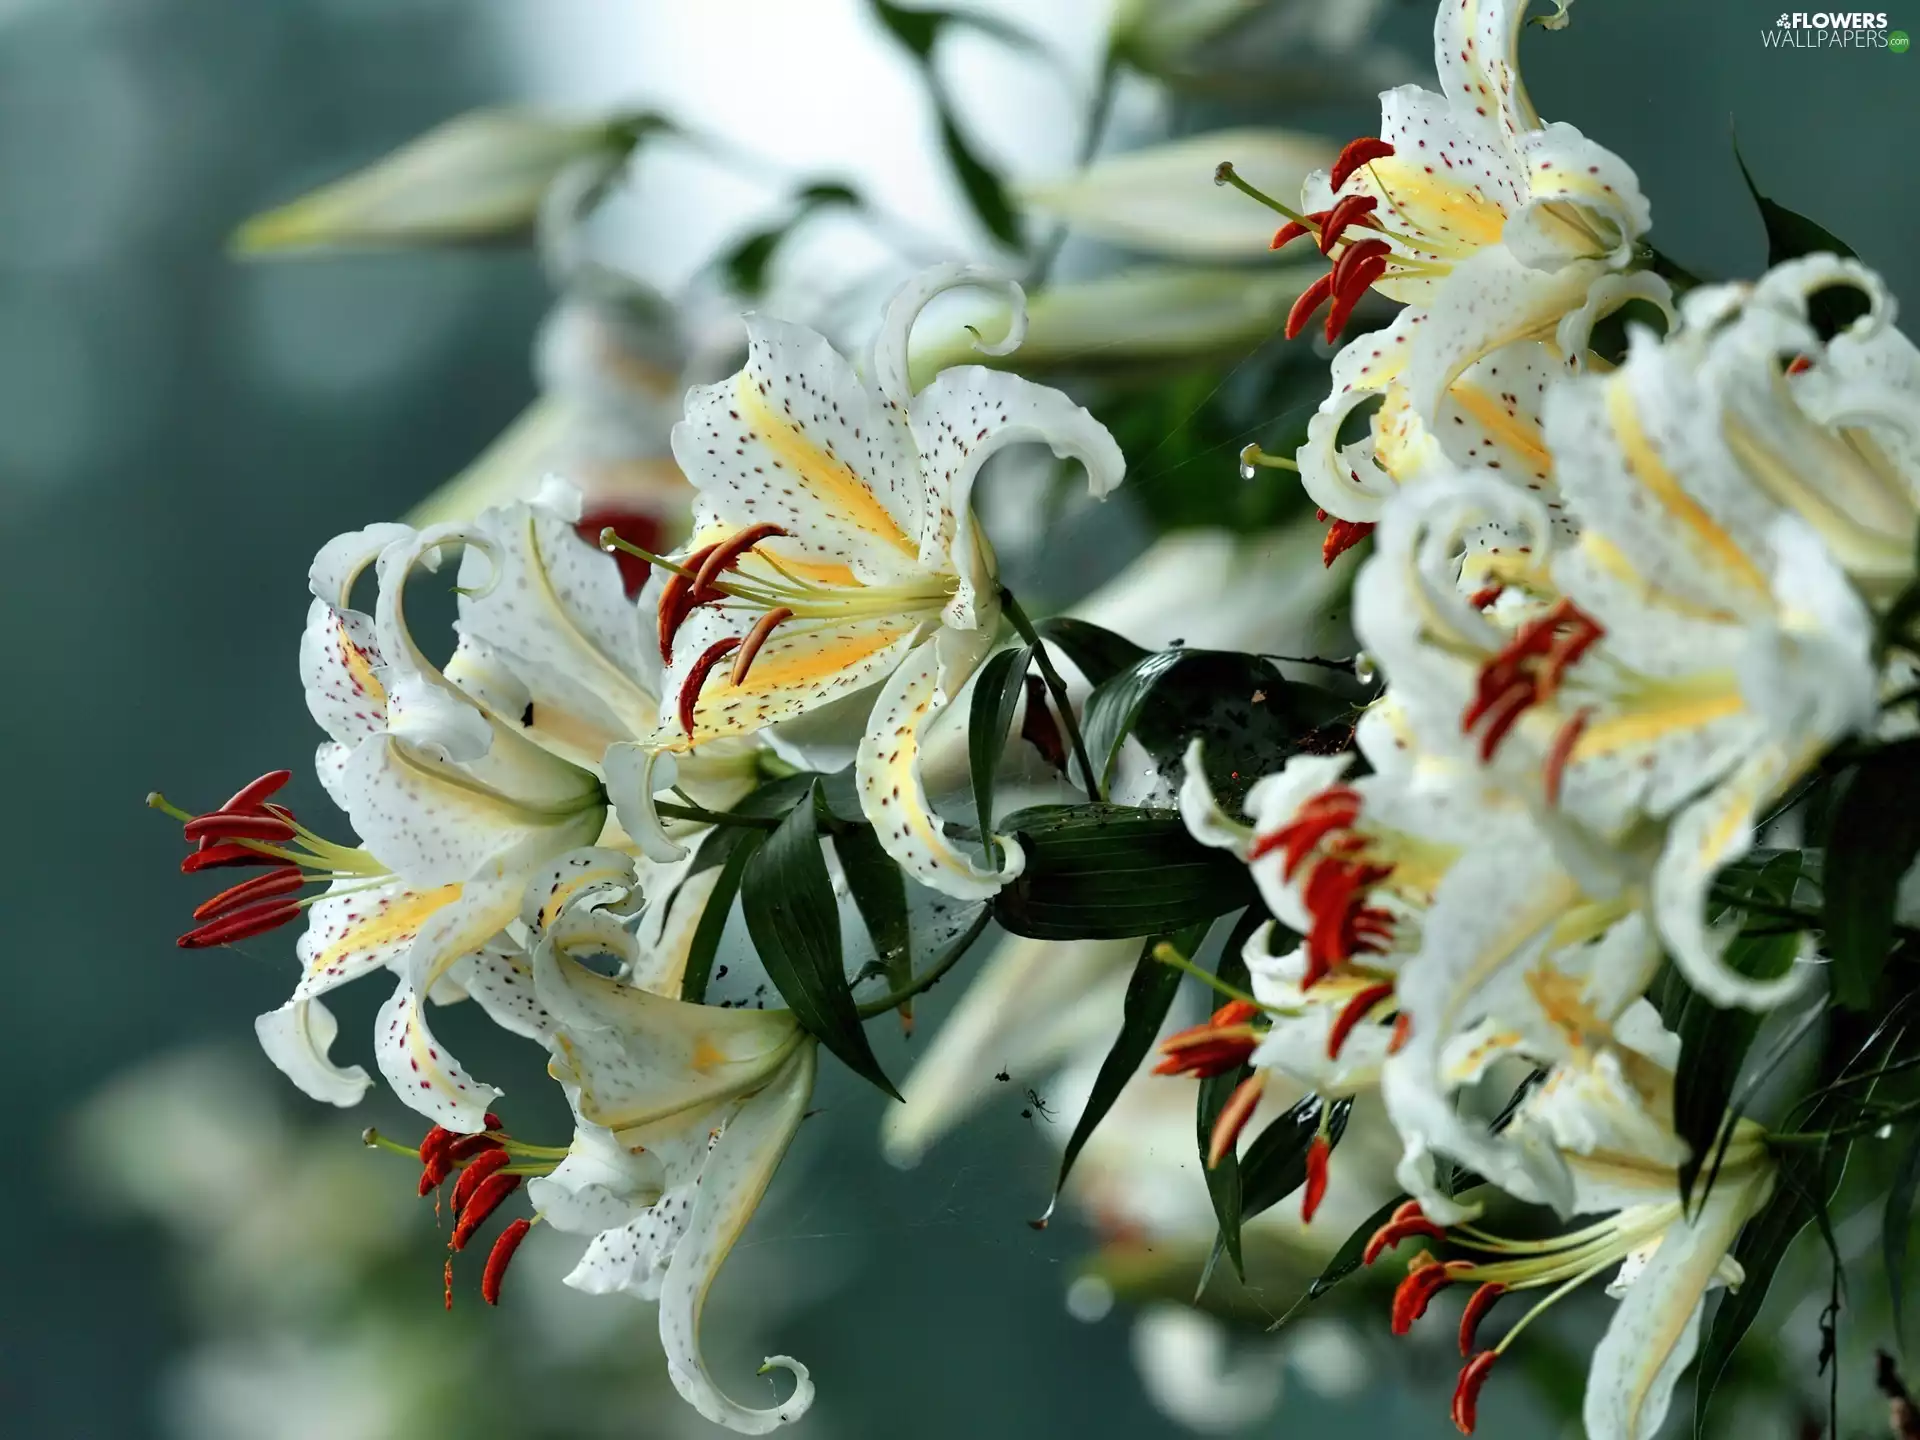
670 811
926 979
1055 687
1167 955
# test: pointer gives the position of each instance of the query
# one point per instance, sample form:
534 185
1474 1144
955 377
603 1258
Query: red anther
1466 1393
216 857
493 1121
1528 670
1408 1220
1478 1304
465 1147
1311 299
1413 1294
1318 1151
435 1142
1234 1116
1359 152
1348 210
475 1175
498 1258
1562 751
677 599
1350 286
1504 714
1206 1055
636 527
763 628
1402 1032
697 676
222 826
1342 536
448 1281
1293 230
1486 595
483 1202
1357 254
241 925
282 880
1799 365
1343 925
727 554
249 798
1352 1013
1332 810
1234 1012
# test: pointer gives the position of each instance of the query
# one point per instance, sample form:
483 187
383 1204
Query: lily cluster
1620 611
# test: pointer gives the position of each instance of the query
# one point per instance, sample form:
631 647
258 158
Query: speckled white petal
1584 202
731 1183
894 800
340 671
888 364
637 1057
803 666
1607 294
1205 820
632 1257
1708 835
635 775
576 884
343 559
1350 482
1654 1333
297 1037
421 1072
356 928
601 1185
1476 50
964 417
797 440
553 607
500 980
1275 801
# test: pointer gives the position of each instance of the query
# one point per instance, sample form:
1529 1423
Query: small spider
1003 1077
1036 1106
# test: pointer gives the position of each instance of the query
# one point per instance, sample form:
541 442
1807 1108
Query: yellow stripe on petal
1446 215
1645 465
809 664
384 925
829 479
1689 710
1519 433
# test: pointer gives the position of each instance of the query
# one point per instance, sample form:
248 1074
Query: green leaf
1112 872
791 914
1873 840
996 693
879 893
746 263
1275 1164
984 189
1224 1184
1714 1042
1096 653
1346 1259
732 847
1114 707
1149 993
1895 1227
1791 235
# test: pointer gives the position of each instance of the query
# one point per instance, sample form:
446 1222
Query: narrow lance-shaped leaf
791 914
1791 235
996 693
1874 837
1275 1164
879 893
1149 993
732 848
1223 1180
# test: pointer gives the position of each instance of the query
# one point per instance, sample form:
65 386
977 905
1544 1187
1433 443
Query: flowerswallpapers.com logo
1834 30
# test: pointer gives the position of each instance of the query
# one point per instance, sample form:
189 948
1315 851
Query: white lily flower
475 178
455 812
1603 1115
835 550
683 1112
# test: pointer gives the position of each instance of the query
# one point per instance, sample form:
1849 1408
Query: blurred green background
179 432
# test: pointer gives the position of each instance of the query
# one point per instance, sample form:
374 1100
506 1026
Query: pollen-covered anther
727 554
1234 1116
697 677
1402 1032
482 1203
1343 924
281 880
677 599
1319 1152
1426 1278
1466 1391
476 1174
761 632
499 1257
1353 1012
1347 210
222 825
1311 299
1222 1043
1528 671
1407 1221
1331 812
1342 536
1555 767
1363 151
1478 1304
241 925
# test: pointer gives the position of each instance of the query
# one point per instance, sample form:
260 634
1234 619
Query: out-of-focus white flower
1163 198
835 550
1190 1374
478 178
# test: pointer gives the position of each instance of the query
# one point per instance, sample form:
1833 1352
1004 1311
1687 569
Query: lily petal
297 1037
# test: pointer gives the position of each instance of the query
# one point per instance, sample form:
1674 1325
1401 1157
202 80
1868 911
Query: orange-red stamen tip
1311 299
727 553
499 1257
1412 1296
1352 1013
697 677
223 825
1402 1032
1342 536
1478 1304
1319 1151
1234 1116
281 880
677 599
763 629
1406 1221
1562 751
1466 1393
1347 210
484 1201
240 925
476 1174
1362 151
